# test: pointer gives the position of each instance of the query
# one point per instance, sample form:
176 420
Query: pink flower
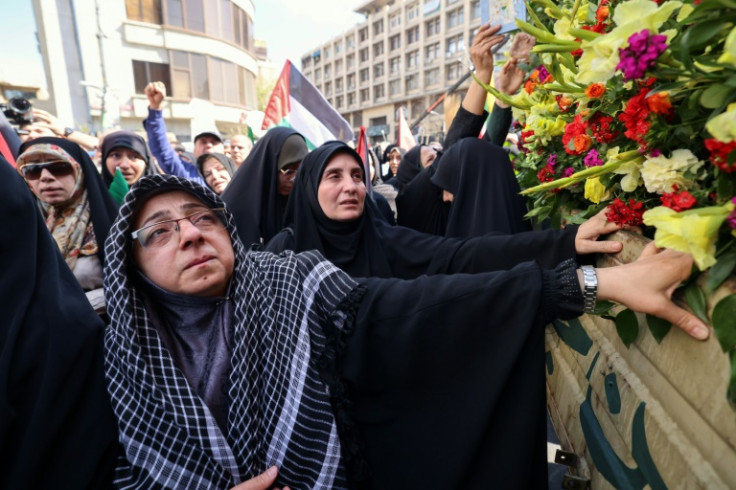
568 172
592 159
642 54
552 161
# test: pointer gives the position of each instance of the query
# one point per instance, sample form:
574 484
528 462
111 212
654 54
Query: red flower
635 117
719 152
622 214
576 128
600 125
545 174
602 13
679 201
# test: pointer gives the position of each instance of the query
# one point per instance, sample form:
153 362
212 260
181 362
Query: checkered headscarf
287 311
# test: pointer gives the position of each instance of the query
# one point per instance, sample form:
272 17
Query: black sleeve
283 240
464 125
498 125
414 253
446 376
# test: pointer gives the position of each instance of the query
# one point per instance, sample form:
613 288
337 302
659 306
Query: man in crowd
169 161
240 146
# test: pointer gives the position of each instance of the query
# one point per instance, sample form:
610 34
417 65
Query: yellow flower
595 192
561 27
661 174
723 126
693 231
600 56
729 49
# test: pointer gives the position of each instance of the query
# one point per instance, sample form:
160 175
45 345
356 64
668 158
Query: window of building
475 9
338 67
412 83
364 75
328 89
338 48
364 55
358 118
412 35
326 52
363 34
453 71
378 70
364 95
412 59
350 42
338 101
351 81
223 81
317 74
394 87
243 28
339 86
455 44
328 70
144 10
432 27
378 27
378 49
455 18
395 20
200 78
394 42
350 61
145 72
379 92
394 65
432 52
351 98
412 11
432 77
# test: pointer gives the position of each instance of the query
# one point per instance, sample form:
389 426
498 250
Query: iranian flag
296 103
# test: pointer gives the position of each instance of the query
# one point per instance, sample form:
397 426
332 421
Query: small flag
118 187
296 103
362 149
250 135
406 139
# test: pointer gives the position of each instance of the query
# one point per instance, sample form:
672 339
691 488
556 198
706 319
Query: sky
290 28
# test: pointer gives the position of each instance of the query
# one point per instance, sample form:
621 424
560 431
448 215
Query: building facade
100 54
405 54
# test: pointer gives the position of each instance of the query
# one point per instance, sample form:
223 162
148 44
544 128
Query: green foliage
627 326
658 327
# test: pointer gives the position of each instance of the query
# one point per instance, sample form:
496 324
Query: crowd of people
255 317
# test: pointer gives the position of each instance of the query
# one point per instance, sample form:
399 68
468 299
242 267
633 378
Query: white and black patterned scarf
289 314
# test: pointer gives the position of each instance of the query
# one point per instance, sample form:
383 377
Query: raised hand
156 93
480 51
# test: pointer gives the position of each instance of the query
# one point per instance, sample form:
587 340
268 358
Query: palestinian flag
362 149
296 103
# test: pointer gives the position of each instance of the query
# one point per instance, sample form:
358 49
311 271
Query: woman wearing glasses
258 193
77 208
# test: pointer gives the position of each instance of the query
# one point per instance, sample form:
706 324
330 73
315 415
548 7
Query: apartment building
100 54
405 54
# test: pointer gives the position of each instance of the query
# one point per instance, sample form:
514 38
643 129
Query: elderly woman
216 169
223 362
77 208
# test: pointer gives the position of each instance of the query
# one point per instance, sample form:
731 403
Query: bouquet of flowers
631 105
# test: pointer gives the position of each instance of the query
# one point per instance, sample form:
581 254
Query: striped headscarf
289 314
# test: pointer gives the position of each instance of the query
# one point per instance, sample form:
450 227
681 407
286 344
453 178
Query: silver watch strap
590 288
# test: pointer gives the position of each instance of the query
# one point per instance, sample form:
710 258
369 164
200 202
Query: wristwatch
68 131
590 288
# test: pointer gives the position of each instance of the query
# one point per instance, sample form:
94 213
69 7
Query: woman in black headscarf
478 180
127 151
56 424
216 170
78 209
258 192
363 245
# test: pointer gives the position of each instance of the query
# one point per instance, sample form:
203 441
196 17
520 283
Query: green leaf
537 211
715 96
658 327
696 301
702 32
720 271
724 322
627 327
725 184
603 307
731 394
